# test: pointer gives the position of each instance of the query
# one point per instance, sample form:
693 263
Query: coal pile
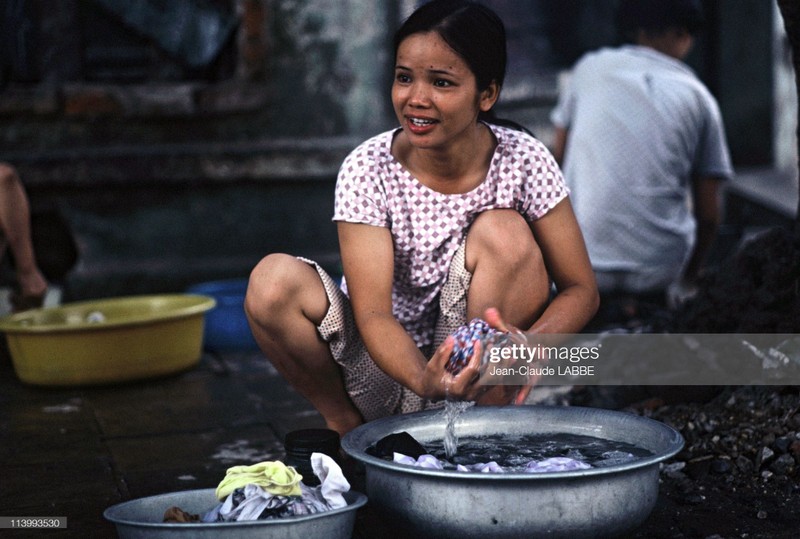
756 291
739 472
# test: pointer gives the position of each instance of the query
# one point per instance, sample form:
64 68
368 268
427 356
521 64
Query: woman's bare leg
285 303
507 269
508 273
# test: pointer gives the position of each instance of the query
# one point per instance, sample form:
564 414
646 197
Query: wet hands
502 393
441 383
460 369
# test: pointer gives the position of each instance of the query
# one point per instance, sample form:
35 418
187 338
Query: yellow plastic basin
108 340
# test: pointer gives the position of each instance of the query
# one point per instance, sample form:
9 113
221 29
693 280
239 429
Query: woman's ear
488 96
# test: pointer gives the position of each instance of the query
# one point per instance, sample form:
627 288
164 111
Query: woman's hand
507 393
467 385
439 383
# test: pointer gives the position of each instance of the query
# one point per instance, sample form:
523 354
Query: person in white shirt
643 150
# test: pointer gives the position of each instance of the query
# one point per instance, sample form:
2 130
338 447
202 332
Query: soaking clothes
551 464
427 227
273 476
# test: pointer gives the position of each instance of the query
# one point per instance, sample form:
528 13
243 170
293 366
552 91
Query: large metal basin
598 502
143 519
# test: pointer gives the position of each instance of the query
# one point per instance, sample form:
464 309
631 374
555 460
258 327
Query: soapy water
515 453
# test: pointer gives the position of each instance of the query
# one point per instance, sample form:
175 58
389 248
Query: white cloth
252 501
423 461
332 481
482 467
556 464
552 464
256 501
640 126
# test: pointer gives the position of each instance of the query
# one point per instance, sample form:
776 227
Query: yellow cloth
273 476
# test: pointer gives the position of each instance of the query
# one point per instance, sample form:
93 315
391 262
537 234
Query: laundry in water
552 464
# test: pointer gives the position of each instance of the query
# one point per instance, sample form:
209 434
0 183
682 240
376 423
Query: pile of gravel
744 437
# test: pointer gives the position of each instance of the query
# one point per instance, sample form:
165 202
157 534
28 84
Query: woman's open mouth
420 126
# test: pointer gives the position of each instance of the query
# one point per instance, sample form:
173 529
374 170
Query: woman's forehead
429 51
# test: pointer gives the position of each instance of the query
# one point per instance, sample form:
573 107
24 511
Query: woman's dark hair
475 33
656 16
472 30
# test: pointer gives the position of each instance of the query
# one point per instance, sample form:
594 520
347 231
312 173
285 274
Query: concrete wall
191 175
169 182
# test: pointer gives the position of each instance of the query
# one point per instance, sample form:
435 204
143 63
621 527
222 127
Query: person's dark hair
475 33
657 16
472 30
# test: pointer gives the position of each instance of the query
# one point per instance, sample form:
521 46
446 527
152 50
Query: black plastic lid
309 440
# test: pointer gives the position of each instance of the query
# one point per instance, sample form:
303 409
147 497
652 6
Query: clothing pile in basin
270 490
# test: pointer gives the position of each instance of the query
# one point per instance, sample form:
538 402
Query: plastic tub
226 324
108 340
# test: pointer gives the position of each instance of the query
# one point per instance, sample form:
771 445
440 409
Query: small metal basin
596 502
143 519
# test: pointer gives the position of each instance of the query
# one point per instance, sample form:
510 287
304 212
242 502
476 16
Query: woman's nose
418 95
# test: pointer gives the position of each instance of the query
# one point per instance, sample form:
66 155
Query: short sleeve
360 196
542 183
713 157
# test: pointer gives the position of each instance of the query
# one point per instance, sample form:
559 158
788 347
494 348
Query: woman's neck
458 168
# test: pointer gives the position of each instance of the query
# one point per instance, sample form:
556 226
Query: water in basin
513 453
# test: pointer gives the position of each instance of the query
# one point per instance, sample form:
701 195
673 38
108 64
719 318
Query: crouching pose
438 220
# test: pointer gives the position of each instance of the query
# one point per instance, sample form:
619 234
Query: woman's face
434 93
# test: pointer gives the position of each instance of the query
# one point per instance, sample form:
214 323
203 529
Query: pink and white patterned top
427 227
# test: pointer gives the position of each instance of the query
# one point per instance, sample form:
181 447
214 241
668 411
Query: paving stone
76 451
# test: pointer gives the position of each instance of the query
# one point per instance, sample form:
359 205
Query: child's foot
20 302
32 290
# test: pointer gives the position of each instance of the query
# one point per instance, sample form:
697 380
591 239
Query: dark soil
738 475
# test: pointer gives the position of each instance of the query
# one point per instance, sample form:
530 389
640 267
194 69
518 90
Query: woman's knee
272 284
504 237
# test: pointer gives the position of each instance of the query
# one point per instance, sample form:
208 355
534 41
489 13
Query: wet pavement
75 451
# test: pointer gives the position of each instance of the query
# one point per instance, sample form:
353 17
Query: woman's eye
402 78
441 83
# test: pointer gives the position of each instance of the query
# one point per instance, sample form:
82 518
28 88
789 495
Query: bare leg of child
15 233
